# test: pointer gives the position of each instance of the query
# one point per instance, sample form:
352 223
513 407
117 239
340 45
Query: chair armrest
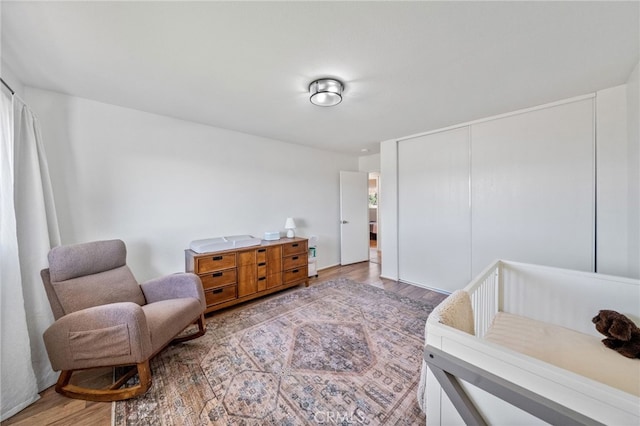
174 286
111 334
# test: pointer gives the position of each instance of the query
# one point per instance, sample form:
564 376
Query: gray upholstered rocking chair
105 318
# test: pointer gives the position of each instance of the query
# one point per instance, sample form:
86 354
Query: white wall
388 209
633 136
158 183
369 163
11 78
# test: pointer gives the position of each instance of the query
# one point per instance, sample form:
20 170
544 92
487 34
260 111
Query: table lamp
290 225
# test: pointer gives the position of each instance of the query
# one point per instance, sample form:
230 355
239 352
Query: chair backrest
89 274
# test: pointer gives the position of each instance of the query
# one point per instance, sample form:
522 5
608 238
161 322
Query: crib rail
449 370
484 293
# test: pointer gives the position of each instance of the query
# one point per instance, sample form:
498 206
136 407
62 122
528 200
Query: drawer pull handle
217 290
217 257
262 263
217 274
294 245
261 250
294 258
295 271
262 278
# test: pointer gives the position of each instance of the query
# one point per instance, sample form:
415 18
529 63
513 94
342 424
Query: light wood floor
54 409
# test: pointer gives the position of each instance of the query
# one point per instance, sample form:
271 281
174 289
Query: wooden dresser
237 275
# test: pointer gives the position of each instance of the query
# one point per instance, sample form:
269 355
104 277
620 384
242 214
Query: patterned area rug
339 352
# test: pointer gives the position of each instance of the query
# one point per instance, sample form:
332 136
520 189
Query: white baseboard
329 266
437 290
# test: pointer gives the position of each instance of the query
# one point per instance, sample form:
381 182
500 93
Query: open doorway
374 190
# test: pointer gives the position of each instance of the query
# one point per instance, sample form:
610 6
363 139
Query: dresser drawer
215 262
299 247
261 255
218 278
297 274
294 261
262 270
219 295
262 283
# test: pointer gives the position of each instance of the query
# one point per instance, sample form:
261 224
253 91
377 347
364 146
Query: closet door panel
532 178
433 210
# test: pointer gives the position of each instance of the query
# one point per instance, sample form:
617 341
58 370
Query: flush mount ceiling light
326 92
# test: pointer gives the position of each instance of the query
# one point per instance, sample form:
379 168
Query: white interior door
434 216
533 189
354 217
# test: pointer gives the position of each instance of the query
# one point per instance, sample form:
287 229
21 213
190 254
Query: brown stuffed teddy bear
622 334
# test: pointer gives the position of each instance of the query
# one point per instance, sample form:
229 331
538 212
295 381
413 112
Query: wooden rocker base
113 392
202 329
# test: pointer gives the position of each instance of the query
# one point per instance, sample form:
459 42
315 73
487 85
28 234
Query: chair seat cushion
167 318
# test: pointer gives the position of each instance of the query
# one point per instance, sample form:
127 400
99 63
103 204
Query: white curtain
28 230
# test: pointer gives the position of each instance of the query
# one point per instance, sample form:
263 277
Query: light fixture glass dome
326 92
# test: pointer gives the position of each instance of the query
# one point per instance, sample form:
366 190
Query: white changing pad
223 243
567 349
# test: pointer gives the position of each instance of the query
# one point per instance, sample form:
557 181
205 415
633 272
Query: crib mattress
568 349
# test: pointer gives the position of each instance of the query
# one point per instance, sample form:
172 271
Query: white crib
535 346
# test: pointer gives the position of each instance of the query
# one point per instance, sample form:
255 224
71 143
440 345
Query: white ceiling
408 67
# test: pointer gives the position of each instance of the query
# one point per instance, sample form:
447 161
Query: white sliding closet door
433 210
533 191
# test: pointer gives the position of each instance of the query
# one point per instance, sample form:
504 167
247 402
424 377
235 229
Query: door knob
343 222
